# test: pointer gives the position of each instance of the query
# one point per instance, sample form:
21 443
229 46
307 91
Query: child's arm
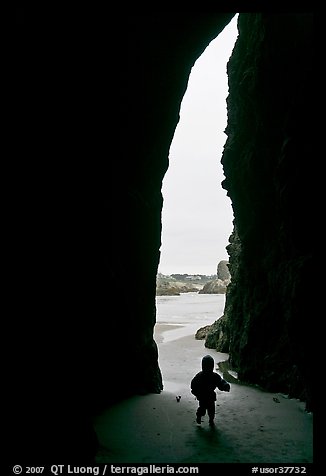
195 386
223 384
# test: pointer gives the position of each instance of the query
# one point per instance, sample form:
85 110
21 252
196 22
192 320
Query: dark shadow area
96 98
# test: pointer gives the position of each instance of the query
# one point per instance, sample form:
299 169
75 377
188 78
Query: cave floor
251 425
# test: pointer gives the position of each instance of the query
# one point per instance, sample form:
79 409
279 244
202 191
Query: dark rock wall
160 52
267 164
96 98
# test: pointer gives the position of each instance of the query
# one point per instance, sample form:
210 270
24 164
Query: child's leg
211 412
201 410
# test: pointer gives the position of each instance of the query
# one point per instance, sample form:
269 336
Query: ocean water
189 312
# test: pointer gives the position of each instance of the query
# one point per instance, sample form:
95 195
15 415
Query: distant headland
175 284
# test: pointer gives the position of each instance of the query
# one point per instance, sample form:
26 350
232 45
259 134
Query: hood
207 363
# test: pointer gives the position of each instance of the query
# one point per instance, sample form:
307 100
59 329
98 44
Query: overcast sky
197 214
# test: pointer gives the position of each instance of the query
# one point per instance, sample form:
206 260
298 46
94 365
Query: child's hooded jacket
206 381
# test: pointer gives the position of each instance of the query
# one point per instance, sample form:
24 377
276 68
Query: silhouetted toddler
203 385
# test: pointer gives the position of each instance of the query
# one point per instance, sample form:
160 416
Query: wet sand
252 426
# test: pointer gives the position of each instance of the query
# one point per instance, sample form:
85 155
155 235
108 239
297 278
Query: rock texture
177 284
168 289
202 332
220 284
269 180
223 272
217 286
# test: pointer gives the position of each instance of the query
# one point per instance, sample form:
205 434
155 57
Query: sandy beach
252 426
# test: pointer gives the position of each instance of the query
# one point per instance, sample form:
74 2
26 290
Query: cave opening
197 216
